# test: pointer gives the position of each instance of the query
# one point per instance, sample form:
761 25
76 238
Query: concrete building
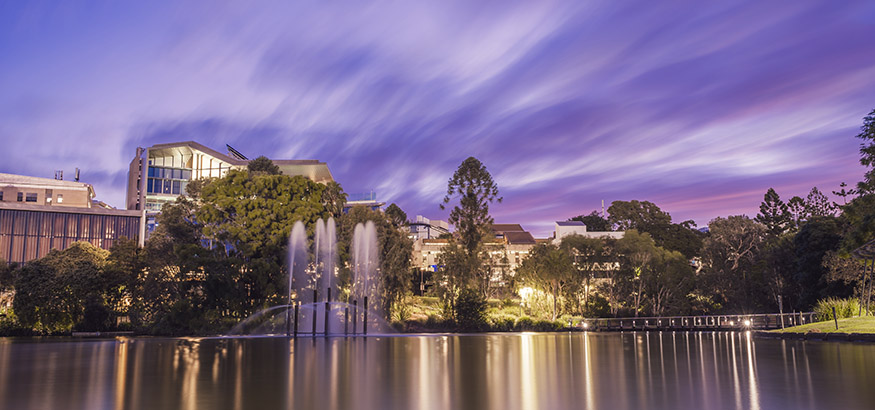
41 214
160 173
565 228
424 228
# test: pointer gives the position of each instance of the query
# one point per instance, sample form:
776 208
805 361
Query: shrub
470 310
549 326
845 308
502 323
524 324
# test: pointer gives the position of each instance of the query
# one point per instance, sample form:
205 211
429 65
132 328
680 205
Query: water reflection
492 371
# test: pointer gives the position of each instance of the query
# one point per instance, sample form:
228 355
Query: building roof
570 223
519 238
502 228
20 206
287 166
24 181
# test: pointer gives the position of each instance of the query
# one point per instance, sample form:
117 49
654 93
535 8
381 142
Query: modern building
41 214
365 199
160 173
424 228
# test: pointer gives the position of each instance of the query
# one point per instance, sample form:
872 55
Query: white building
565 228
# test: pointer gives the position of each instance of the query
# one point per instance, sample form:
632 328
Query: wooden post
355 315
327 310
869 295
835 318
781 309
297 304
315 312
346 320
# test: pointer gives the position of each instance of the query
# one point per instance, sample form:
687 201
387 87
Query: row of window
22 197
169 173
165 186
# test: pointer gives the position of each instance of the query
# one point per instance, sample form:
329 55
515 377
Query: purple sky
695 106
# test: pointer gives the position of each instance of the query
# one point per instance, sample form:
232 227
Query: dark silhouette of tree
263 165
867 152
594 222
774 214
396 215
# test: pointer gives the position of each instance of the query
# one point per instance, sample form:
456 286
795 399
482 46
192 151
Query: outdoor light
731 323
526 292
585 325
747 323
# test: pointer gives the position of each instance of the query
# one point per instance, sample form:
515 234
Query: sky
699 107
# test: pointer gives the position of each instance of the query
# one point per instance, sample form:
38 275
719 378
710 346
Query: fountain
313 306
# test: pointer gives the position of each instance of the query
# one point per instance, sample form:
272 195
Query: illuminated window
60 198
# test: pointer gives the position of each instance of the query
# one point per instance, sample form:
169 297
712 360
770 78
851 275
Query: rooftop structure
424 228
45 191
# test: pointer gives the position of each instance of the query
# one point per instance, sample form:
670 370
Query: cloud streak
697 107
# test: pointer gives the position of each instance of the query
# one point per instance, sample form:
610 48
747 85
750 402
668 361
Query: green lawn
862 324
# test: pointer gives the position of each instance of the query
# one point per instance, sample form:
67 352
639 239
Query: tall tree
636 251
774 214
867 152
818 205
594 222
729 255
549 269
798 212
667 282
589 256
397 217
814 240
473 186
639 215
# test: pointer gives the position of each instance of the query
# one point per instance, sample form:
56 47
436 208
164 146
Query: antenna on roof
234 153
59 175
77 175
603 209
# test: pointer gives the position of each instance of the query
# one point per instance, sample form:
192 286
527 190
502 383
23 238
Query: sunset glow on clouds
699 108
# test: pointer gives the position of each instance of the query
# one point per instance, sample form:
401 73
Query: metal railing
715 322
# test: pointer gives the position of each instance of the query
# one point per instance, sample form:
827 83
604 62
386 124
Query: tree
667 281
396 216
774 214
549 269
867 152
818 205
475 189
639 215
589 257
64 289
473 186
797 211
594 222
334 199
263 165
729 255
636 250
814 240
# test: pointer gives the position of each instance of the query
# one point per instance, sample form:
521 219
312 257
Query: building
565 228
365 199
424 228
160 173
41 214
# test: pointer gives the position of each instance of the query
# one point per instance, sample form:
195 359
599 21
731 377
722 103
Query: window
20 196
1 195
31 197
49 196
60 198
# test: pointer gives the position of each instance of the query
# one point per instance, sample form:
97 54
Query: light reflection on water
491 371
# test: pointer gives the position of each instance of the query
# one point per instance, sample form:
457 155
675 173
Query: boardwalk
717 322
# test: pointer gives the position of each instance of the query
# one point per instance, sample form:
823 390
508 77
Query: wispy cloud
697 107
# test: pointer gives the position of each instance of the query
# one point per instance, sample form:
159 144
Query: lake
689 370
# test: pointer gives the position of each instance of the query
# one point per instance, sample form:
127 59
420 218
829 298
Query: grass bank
862 325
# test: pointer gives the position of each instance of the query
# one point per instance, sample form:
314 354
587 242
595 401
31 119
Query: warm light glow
731 323
585 325
747 323
526 293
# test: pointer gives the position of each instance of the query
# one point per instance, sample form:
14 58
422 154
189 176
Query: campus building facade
41 214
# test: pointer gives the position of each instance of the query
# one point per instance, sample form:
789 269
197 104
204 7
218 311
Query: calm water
491 371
